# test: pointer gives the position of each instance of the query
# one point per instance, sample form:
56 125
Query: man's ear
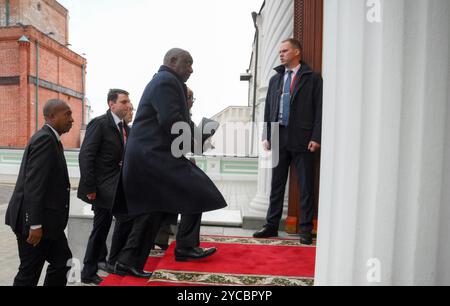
173 61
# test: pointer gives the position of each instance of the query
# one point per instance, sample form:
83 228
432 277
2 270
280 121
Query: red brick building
35 66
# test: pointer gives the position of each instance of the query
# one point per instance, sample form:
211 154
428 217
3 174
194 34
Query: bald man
155 181
39 208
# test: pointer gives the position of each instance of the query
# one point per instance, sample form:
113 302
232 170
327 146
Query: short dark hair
51 105
295 43
113 94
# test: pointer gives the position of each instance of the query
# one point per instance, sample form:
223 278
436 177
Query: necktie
286 99
122 134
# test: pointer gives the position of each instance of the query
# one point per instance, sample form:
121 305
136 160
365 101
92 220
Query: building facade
48 16
36 66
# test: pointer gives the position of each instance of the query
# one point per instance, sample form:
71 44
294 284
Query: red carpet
238 261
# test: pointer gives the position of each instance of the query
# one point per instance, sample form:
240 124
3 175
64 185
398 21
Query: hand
314 147
35 237
266 146
92 196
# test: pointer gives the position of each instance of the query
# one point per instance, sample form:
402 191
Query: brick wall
57 65
9 119
70 75
46 15
9 58
72 139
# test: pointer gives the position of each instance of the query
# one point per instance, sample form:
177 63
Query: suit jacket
42 193
153 179
101 159
305 123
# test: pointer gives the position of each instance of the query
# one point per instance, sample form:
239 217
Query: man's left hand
35 236
313 147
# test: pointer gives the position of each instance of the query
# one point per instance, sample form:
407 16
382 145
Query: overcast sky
125 42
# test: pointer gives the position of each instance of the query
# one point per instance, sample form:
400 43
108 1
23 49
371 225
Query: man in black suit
294 102
101 159
39 208
124 223
158 181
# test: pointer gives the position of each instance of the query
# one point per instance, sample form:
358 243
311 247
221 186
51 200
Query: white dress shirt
55 132
117 120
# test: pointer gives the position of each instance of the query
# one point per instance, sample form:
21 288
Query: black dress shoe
124 270
182 255
306 239
93 280
266 232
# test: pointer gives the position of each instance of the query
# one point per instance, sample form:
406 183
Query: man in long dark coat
155 180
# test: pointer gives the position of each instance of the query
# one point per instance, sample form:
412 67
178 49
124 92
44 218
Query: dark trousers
96 250
164 234
304 165
122 230
165 230
32 259
141 240
188 235
145 230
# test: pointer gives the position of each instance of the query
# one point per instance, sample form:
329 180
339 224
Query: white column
386 144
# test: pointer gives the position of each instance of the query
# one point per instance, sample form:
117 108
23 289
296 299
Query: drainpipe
255 77
37 86
7 12
83 103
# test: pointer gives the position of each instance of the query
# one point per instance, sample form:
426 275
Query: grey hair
51 105
174 53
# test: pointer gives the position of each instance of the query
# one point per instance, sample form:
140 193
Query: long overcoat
154 179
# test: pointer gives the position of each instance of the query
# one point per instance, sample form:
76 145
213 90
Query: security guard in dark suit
294 102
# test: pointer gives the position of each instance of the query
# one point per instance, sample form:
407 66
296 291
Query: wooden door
308 28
